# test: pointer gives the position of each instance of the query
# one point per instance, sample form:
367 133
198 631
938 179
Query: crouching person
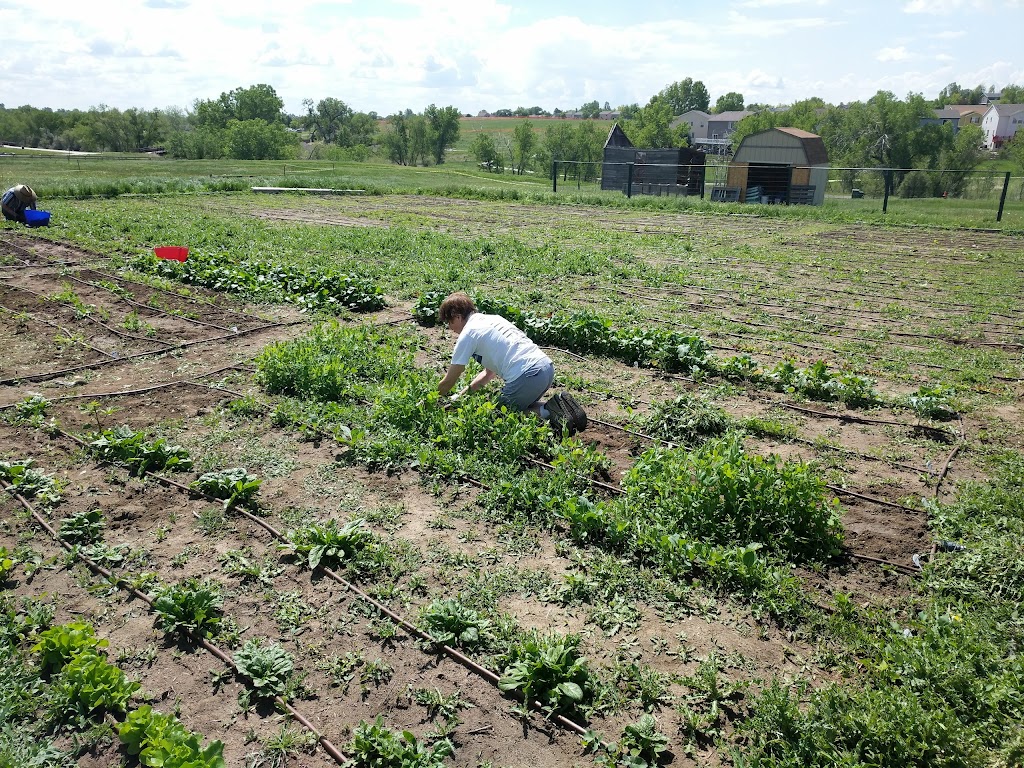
507 353
15 200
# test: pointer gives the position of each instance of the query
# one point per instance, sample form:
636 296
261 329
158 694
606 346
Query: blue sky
387 55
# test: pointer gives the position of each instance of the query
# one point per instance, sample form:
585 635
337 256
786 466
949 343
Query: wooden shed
780 165
669 171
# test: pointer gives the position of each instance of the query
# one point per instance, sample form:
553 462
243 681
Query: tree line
250 123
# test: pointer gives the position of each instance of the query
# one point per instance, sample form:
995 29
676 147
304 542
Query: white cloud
899 53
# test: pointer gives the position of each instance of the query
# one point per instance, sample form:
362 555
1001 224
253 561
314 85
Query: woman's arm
450 379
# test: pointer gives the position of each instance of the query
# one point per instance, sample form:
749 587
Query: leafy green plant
311 289
129 448
641 745
88 686
452 623
59 645
31 409
31 482
548 668
934 402
236 486
328 543
95 409
192 605
6 564
162 741
375 746
82 527
266 665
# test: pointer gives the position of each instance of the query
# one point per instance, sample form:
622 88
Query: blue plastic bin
37 218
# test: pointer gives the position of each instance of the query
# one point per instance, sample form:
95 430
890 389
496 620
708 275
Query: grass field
791 534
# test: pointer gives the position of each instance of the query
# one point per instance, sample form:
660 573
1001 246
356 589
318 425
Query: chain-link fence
972 197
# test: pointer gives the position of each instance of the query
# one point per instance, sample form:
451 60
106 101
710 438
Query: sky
390 55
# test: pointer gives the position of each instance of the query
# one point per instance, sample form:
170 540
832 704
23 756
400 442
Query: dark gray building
669 171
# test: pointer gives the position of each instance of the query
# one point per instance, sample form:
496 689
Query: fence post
629 180
887 175
554 176
1002 197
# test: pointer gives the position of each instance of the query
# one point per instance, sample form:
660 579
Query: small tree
524 141
486 153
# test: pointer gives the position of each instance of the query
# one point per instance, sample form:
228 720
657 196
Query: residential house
945 116
710 130
1001 122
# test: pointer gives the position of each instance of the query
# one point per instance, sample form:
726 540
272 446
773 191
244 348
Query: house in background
969 113
944 116
1001 122
710 132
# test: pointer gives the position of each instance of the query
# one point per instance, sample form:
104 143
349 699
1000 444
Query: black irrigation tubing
952 455
865 456
70 336
807 345
677 289
147 307
190 297
132 392
453 653
55 374
328 746
860 295
859 419
88 316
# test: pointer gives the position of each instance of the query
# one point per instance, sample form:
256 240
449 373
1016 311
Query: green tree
328 120
257 102
486 153
651 127
961 156
684 95
396 140
628 111
523 143
444 129
590 110
259 140
1011 94
729 102
421 141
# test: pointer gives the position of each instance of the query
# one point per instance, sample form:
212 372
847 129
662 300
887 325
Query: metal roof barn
780 165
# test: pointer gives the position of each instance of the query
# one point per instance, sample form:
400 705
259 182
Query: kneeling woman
505 352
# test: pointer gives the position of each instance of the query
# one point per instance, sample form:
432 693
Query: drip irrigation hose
88 316
328 746
62 329
143 390
184 345
454 654
952 455
147 307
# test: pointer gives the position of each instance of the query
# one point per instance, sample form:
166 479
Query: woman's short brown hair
456 304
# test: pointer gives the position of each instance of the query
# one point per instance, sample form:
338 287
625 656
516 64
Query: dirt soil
167 360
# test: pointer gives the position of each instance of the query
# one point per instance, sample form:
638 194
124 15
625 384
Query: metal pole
887 175
554 176
629 180
1002 197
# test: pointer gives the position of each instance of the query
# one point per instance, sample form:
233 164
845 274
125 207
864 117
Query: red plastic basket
175 252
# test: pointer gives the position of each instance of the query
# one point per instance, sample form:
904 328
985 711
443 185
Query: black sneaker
559 419
577 416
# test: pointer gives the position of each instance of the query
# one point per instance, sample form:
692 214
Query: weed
439 704
374 745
